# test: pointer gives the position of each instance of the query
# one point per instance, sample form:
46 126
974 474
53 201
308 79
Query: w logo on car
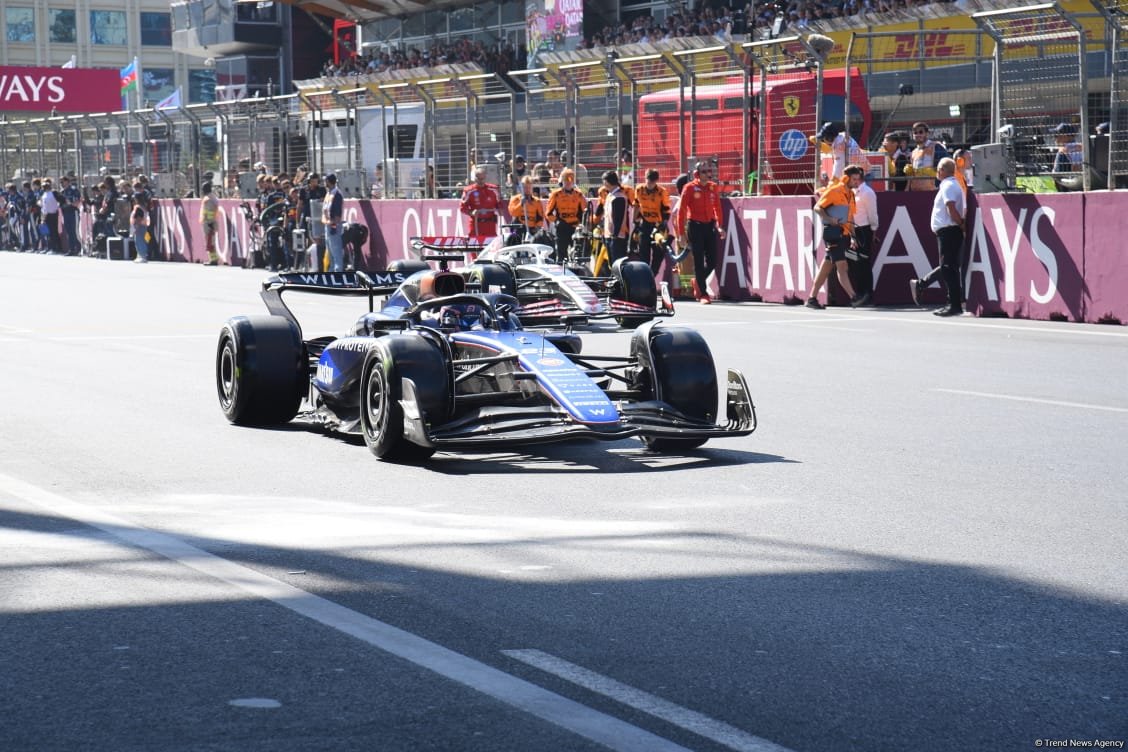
792 144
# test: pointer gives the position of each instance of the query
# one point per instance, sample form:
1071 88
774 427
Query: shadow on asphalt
819 649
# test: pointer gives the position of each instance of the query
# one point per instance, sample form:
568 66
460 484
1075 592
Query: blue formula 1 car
439 366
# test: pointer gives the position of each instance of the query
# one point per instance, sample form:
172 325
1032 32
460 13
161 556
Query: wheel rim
375 396
228 384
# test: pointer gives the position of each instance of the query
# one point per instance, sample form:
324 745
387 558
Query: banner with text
26 89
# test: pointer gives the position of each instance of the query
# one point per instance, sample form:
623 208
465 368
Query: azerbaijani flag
128 80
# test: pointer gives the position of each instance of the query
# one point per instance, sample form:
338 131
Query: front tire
261 370
382 417
681 374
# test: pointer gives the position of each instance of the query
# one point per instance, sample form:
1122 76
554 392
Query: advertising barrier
1027 256
28 89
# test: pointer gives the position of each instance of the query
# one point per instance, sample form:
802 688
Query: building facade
102 34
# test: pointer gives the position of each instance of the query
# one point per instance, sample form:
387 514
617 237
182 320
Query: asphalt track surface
922 548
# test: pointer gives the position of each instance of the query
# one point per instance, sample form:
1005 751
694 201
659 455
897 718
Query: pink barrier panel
1106 268
1027 255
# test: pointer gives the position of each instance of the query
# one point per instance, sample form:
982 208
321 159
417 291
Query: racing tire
682 374
407 267
494 275
261 370
636 282
382 421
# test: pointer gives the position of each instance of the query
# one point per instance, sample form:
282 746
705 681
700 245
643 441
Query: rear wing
446 249
357 284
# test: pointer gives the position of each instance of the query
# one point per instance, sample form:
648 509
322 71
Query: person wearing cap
332 215
653 203
1068 153
72 200
832 140
566 207
480 202
700 224
926 156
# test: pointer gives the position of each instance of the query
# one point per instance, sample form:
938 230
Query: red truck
790 102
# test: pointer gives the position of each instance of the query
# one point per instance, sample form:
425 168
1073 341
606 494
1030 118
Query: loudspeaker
990 165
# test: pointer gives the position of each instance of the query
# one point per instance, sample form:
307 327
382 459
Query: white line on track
537 701
691 720
1063 329
1035 400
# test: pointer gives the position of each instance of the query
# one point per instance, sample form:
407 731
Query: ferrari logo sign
791 106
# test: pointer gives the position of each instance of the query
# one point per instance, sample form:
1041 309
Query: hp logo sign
792 144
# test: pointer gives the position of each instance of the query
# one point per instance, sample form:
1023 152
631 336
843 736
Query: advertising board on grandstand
28 89
553 26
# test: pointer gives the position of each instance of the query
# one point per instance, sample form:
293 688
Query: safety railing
752 107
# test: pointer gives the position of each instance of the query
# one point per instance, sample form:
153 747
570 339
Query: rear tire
638 286
407 267
394 359
682 374
494 275
261 370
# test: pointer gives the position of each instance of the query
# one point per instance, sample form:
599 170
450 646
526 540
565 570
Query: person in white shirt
948 211
830 139
865 229
49 204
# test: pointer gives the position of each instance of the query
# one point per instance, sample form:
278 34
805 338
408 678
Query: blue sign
793 144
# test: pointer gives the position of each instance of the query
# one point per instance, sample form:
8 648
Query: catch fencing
751 107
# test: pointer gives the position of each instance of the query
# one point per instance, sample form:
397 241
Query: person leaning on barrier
948 211
926 157
653 202
836 209
525 208
1068 154
566 208
896 158
700 224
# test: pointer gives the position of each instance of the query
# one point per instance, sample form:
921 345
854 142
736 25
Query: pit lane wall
1030 256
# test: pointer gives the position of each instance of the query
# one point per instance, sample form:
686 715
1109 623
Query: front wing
527 426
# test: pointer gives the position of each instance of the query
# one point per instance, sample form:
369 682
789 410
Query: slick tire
261 370
637 284
681 374
488 276
393 359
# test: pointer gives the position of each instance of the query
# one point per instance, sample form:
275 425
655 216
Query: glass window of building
465 19
201 85
62 25
157 84
107 27
21 24
156 29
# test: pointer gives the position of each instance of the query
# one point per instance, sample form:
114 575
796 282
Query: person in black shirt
70 203
314 191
